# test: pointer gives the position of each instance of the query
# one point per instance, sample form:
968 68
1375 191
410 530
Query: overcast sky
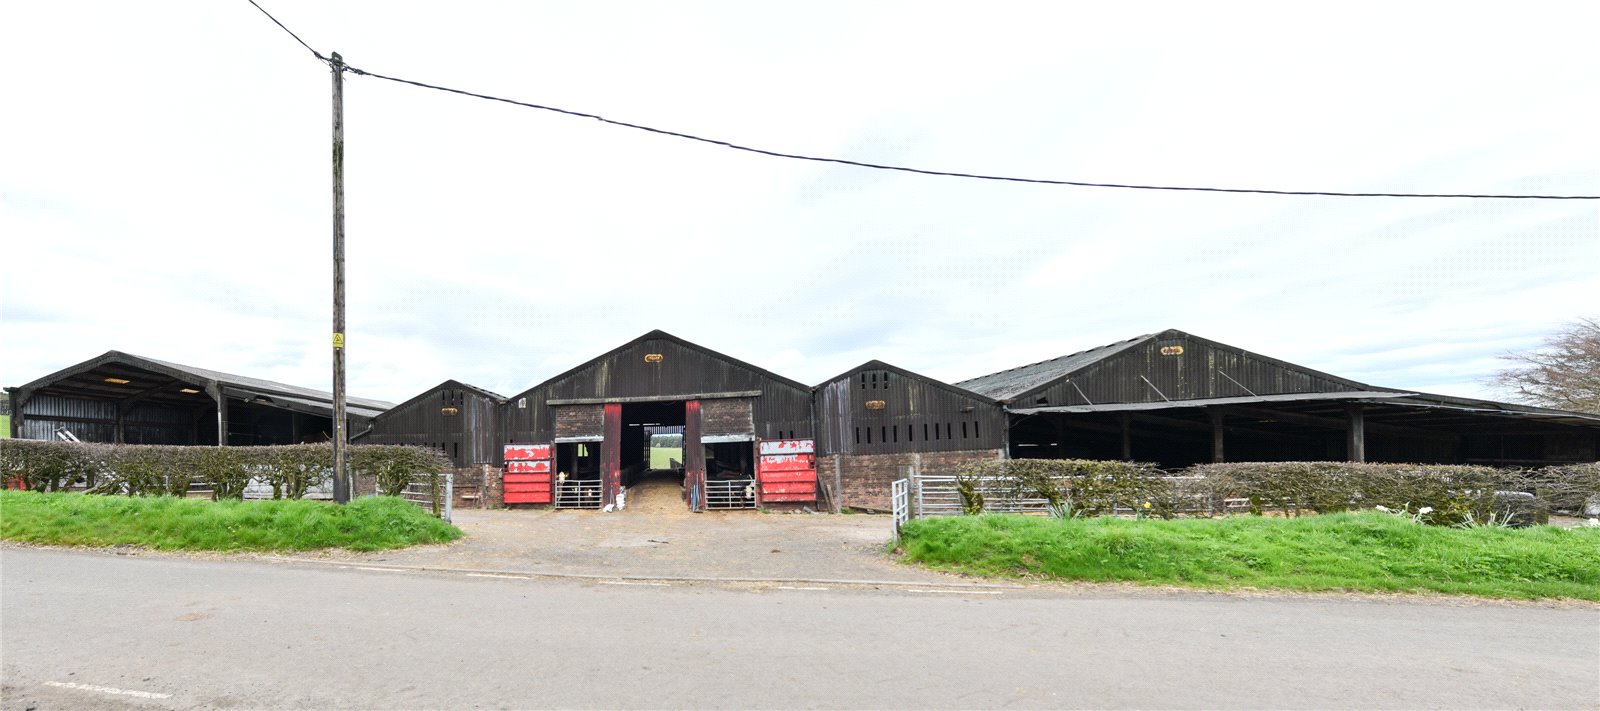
165 184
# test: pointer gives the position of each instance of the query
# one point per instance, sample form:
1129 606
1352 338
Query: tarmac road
96 630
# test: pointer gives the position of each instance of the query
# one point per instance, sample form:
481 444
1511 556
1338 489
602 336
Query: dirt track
655 535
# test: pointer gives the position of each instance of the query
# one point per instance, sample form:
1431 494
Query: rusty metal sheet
525 478
527 451
787 462
528 467
788 446
777 477
789 497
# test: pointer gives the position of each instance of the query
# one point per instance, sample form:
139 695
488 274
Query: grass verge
168 523
1369 552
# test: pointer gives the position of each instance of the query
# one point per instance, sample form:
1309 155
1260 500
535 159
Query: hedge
1452 494
1068 487
146 470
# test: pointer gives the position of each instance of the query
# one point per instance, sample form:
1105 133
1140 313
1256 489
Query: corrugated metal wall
469 436
96 421
882 411
1201 370
782 410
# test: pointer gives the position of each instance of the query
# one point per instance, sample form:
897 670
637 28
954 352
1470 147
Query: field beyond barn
1365 552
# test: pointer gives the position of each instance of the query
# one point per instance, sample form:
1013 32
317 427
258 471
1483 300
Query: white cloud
164 185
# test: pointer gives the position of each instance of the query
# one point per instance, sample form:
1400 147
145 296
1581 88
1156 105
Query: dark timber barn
877 423
119 397
599 423
453 417
1179 399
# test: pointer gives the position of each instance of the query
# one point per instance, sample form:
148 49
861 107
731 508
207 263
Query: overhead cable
920 171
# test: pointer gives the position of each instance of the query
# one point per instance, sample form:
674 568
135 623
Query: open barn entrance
651 449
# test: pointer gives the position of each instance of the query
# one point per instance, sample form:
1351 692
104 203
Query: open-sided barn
120 397
1178 399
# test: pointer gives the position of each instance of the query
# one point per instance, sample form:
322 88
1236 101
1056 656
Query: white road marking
108 690
381 570
629 582
790 587
493 575
959 592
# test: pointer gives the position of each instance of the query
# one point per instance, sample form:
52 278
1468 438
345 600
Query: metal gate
578 494
900 503
730 493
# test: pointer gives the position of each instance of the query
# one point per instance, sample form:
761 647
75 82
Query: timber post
341 475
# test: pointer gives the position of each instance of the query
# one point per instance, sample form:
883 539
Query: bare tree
1564 374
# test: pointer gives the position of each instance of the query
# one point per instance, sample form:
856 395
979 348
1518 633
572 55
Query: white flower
1382 508
1425 510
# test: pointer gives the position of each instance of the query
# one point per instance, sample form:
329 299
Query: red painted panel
611 452
527 498
788 446
786 462
812 496
525 478
770 477
809 487
694 457
516 452
542 465
516 488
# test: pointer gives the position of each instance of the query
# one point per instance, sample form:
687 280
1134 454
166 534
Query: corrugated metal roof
362 407
1353 395
265 385
1008 384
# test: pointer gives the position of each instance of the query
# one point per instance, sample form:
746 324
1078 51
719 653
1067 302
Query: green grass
1370 552
5 426
169 523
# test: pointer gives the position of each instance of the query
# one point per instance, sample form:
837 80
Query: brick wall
726 416
579 420
864 479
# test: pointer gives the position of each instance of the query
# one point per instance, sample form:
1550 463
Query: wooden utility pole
341 475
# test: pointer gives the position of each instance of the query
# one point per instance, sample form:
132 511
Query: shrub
396 466
154 470
48 466
1455 493
1073 487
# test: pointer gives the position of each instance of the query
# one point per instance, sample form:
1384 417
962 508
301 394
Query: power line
920 171
296 37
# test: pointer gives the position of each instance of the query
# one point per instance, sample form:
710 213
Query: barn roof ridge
1032 375
451 382
181 371
876 364
657 333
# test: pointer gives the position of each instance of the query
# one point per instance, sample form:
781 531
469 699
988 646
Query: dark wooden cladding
457 419
659 366
1204 369
880 409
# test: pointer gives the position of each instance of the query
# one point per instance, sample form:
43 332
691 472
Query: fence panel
730 493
